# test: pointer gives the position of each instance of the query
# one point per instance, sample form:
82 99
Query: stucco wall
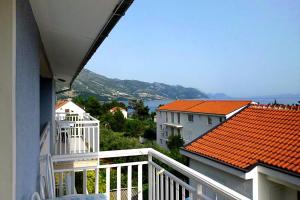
190 130
238 184
27 102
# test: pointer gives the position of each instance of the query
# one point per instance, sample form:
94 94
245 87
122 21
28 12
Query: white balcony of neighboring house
76 133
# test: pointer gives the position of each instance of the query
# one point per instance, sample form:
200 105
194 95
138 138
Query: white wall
73 108
189 131
267 189
240 185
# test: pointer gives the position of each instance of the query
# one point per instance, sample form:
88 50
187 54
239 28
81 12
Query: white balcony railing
167 178
76 134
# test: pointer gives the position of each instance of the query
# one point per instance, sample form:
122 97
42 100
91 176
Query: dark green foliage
134 127
150 134
140 110
93 106
175 142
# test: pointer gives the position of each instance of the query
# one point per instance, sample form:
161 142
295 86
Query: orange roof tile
60 103
220 107
257 134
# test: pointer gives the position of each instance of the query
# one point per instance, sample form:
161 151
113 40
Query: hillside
90 83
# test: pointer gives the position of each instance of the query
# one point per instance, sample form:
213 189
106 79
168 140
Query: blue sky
241 48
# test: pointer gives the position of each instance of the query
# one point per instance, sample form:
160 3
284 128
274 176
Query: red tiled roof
221 107
114 109
60 103
258 134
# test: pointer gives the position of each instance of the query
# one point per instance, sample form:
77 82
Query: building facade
192 118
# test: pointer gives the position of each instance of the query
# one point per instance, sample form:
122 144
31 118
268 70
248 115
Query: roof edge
116 15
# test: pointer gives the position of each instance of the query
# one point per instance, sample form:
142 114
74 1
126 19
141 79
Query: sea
153 104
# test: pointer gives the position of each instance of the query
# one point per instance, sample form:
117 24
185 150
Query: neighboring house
256 153
68 106
192 118
123 111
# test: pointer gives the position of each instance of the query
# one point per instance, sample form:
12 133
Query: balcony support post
60 186
84 182
97 180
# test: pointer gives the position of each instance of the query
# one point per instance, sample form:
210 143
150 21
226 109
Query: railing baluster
166 187
183 192
73 182
83 130
89 137
140 182
191 195
84 181
171 189
79 139
74 138
108 183
157 184
65 135
161 186
61 187
118 183
150 181
153 182
177 191
93 140
59 139
97 180
129 177
199 191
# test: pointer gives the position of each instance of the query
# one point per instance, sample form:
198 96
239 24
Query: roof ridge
276 107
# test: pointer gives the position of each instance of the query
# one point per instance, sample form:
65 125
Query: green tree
175 142
93 107
134 127
140 110
118 122
79 100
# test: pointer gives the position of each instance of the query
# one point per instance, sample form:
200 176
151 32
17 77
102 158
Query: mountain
104 88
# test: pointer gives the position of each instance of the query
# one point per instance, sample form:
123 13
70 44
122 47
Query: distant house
192 118
67 106
123 111
256 153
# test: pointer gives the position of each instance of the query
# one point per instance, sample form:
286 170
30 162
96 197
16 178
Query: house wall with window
192 125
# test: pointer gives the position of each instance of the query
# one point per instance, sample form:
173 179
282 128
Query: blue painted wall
27 102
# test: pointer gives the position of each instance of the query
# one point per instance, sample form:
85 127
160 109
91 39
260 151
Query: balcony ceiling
71 30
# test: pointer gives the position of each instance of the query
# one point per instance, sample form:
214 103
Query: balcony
164 177
76 133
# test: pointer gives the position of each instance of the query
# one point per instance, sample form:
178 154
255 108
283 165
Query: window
172 131
172 117
178 131
209 120
221 119
161 141
166 116
178 118
190 118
